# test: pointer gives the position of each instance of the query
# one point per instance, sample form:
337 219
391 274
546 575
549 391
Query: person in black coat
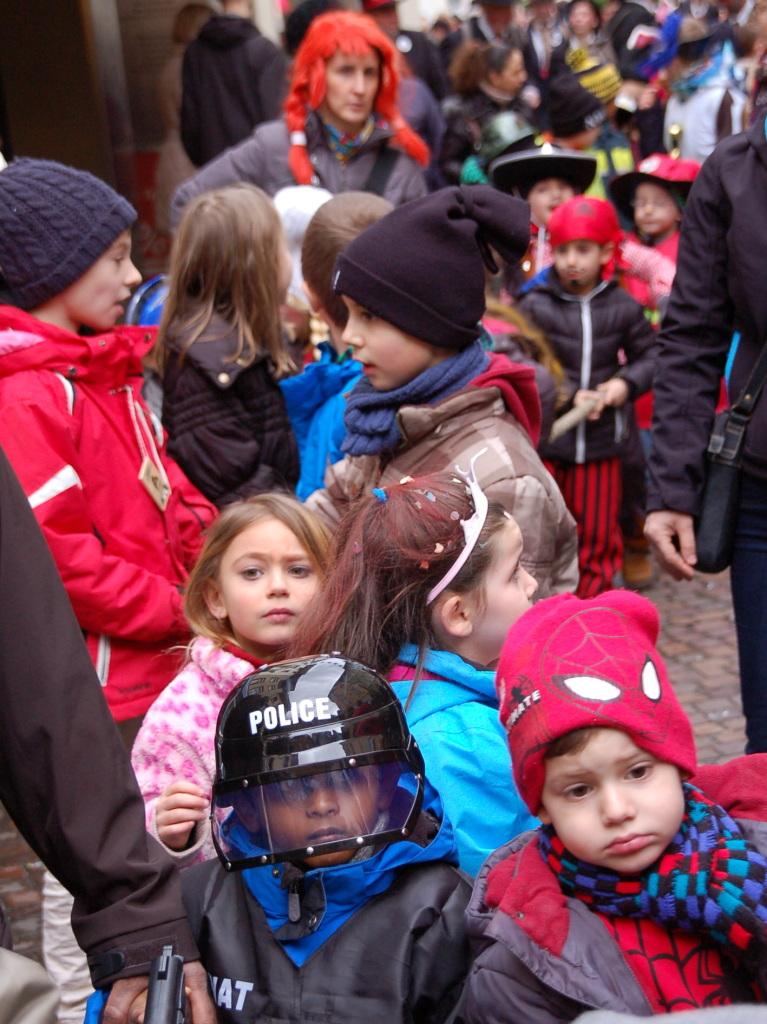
494 24
591 323
233 79
716 317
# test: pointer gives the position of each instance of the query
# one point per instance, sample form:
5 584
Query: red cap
668 168
569 664
368 6
669 172
584 217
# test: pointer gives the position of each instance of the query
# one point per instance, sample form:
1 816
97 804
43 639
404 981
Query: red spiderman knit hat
569 664
584 217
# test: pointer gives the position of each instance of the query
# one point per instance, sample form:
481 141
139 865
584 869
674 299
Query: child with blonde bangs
426 582
258 572
221 348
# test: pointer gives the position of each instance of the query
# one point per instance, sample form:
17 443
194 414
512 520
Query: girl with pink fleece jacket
258 571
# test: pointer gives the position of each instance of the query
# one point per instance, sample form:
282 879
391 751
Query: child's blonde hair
226 260
311 533
330 230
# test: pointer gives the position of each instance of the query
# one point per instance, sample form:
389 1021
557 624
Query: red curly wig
354 35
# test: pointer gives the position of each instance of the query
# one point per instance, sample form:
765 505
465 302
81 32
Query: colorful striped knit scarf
344 146
711 879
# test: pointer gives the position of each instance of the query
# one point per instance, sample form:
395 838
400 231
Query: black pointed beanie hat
422 266
55 223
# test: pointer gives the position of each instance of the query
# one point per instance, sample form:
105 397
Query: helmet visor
316 816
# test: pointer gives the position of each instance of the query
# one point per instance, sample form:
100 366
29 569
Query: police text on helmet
271 717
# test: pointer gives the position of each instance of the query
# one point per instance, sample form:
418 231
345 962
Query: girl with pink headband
425 584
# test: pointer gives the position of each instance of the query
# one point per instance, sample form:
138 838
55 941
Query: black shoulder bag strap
726 442
382 169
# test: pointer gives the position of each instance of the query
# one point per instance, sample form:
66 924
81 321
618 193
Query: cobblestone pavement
697 642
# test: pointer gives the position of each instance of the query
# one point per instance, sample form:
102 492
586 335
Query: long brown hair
225 260
387 556
309 531
473 62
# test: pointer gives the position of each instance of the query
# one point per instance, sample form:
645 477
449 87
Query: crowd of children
354 611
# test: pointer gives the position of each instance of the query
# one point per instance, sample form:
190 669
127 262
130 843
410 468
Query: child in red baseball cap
653 196
592 325
641 894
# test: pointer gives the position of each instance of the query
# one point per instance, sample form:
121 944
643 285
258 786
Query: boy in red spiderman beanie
640 894
606 347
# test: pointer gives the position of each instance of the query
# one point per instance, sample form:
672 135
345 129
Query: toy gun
166 995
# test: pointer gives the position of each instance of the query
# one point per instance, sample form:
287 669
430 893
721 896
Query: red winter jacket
73 425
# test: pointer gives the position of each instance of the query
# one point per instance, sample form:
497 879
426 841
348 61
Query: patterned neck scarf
344 146
711 879
371 416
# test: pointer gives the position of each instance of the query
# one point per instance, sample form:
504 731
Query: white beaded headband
471 527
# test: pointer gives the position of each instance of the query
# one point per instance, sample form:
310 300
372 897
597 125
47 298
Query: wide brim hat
659 169
518 172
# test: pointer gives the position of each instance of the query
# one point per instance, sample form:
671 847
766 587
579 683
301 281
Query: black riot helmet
313 759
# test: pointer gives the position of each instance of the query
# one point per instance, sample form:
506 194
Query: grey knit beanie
55 222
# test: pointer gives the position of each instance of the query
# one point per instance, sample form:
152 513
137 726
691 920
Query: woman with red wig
341 128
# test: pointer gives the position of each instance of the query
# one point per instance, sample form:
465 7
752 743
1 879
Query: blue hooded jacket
454 717
316 403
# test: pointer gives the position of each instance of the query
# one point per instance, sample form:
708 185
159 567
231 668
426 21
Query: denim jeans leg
748 577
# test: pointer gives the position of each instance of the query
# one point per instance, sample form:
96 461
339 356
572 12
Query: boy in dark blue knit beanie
56 223
122 521
431 396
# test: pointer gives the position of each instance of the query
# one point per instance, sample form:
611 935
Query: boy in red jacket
122 521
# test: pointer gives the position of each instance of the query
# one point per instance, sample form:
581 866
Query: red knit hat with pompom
569 664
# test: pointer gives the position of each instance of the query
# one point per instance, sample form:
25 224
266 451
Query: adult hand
662 528
127 999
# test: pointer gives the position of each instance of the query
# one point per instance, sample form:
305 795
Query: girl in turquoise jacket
426 582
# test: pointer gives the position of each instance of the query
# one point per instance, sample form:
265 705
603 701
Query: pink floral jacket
176 739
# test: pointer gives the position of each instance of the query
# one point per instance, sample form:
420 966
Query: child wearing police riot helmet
336 896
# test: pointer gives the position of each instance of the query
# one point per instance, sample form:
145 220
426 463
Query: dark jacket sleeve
692 349
270 70
441 959
640 348
81 813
